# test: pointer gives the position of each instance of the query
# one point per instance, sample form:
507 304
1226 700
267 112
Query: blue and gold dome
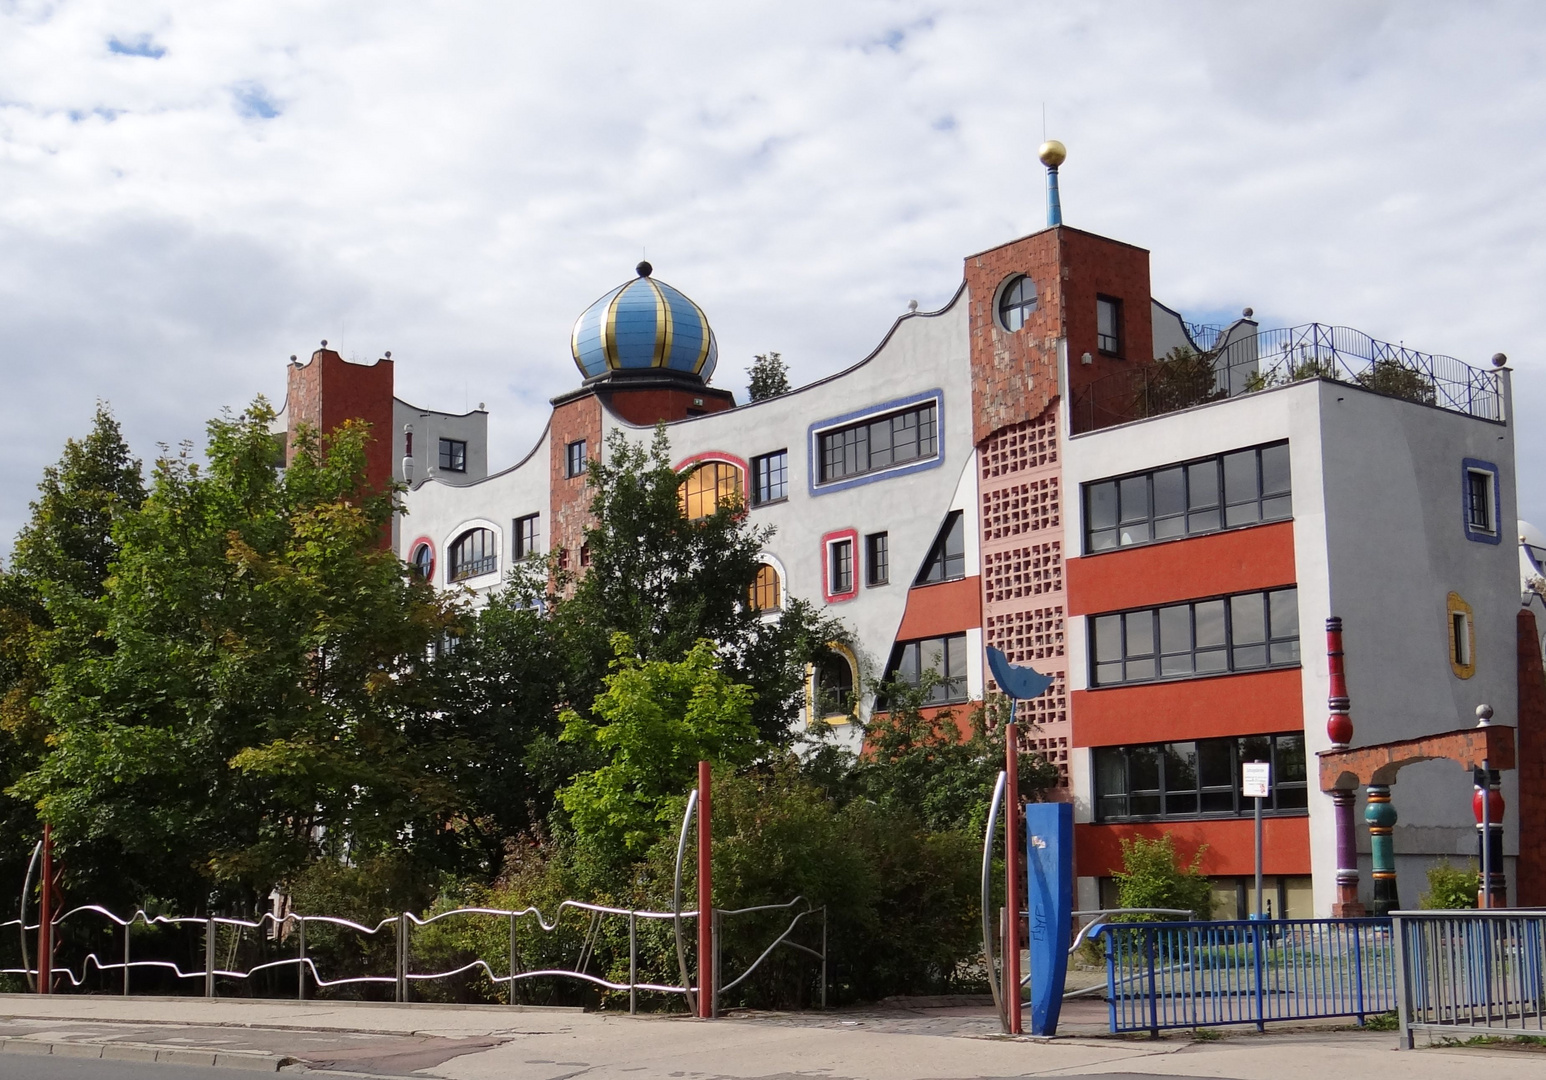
644 325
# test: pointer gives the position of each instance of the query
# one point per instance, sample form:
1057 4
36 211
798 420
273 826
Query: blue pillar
1049 841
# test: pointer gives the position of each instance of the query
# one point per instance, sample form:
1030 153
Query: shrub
1152 876
1450 888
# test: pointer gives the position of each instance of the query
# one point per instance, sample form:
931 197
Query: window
708 487
422 561
407 444
574 459
944 656
1462 637
879 443
770 477
527 537
877 559
1016 302
947 558
1480 496
840 567
832 686
765 592
584 554
1244 632
453 455
1229 491
1108 325
475 553
1197 779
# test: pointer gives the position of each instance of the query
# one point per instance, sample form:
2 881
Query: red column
1012 872
705 897
46 917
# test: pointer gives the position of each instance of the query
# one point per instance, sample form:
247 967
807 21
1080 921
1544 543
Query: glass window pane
1284 652
1274 470
1293 798
1140 670
1240 477
1249 657
1210 623
1103 541
1247 619
1111 807
1143 768
1135 499
1215 766
1169 528
1176 664
1202 485
1175 624
1285 613
1211 661
1144 805
1242 514
955 656
1289 758
907 666
1108 637
1140 633
1218 802
1169 492
931 656
1181 766
1135 533
1202 521
1177 803
1277 508
1110 771
1108 674
1255 748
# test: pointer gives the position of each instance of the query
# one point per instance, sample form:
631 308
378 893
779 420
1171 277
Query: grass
1207 1034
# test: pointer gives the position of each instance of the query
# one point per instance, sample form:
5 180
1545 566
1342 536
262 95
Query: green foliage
656 720
1289 370
1450 887
1153 875
1178 380
769 377
1395 379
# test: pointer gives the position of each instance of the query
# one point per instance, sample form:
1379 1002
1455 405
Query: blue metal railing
1206 974
1472 971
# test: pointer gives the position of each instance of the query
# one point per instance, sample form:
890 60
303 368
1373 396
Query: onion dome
644 325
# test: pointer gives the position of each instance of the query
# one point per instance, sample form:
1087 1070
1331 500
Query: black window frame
575 459
464 565
853 450
840 567
526 537
1108 344
421 560
1210 791
906 666
1481 515
946 560
770 477
845 698
1195 639
877 559
1014 309
1196 497
453 455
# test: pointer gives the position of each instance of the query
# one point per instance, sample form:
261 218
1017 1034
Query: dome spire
644 325
1053 154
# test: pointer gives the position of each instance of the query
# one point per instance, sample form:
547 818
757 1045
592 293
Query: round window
1016 301
423 561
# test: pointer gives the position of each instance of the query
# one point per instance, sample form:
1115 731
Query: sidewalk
896 1042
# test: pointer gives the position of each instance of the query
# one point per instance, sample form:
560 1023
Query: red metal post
1012 869
705 897
46 916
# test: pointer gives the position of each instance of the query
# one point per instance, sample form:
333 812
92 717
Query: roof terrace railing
1277 357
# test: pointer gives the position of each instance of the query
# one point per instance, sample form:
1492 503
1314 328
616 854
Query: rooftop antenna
1053 154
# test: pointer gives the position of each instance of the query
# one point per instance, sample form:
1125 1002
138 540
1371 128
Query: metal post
46 917
1486 787
714 982
402 957
1256 936
1260 911
823 956
1012 871
706 987
633 963
300 983
126 955
209 957
1403 984
514 955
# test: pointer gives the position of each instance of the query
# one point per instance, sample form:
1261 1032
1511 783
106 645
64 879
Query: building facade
1159 515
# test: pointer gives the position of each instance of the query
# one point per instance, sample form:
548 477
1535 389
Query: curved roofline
437 412
502 472
960 289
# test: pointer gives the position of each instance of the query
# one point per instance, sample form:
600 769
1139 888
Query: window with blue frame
1480 501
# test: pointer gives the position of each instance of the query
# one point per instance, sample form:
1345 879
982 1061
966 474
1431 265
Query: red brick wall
1531 880
665 403
579 418
328 390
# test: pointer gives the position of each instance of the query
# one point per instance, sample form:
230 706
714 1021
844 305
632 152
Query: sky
190 193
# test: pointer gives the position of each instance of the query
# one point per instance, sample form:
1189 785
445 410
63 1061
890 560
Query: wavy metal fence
1240 365
1206 974
1471 972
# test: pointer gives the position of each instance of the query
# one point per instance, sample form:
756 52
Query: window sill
1244 815
1088 554
931 584
1199 678
876 584
770 502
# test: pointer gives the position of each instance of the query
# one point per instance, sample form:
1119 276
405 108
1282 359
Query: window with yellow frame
765 590
1462 637
708 487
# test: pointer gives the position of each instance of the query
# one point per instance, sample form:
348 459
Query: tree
769 376
1451 887
1152 876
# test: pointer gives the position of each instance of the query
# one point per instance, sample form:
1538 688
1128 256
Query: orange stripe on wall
1257 703
1231 845
1238 561
946 608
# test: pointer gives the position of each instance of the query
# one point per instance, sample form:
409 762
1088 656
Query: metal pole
402 957
209 957
633 963
989 835
706 988
714 982
1486 833
1260 913
126 955
300 987
1012 871
514 953
823 956
46 917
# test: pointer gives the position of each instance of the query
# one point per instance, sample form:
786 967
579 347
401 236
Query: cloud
458 186
140 46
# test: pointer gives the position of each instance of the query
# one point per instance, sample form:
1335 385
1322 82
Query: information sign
1257 782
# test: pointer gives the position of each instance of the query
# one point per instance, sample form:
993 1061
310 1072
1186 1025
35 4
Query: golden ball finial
1053 153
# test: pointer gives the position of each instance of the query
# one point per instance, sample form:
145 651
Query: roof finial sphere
1052 153
644 269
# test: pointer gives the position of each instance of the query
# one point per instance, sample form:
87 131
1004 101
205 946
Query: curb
251 1061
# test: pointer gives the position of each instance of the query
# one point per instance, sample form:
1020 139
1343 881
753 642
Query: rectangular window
1479 500
770 477
1108 325
947 558
877 559
453 455
944 656
1197 779
574 458
1244 632
840 567
526 535
1460 639
879 443
1229 491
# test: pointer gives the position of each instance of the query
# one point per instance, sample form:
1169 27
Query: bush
1450 888
1152 876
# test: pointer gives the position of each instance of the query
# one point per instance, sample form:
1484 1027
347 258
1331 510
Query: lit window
423 561
708 487
1016 302
770 477
1197 779
475 553
765 590
947 558
945 657
879 443
453 455
877 559
832 686
1244 632
527 538
840 567
1108 325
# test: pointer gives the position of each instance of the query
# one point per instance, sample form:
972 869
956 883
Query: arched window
766 591
832 686
708 487
1016 301
475 552
422 560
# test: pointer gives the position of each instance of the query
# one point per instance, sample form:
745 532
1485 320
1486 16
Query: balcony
1228 368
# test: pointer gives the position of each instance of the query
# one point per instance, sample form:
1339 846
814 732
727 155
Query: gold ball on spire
1052 153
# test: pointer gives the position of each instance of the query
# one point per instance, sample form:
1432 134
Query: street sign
1257 781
